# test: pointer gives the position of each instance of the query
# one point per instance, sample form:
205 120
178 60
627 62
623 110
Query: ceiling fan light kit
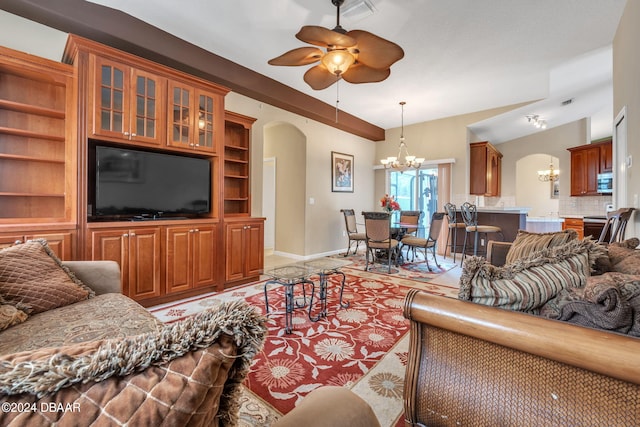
356 56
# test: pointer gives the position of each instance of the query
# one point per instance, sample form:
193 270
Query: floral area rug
362 347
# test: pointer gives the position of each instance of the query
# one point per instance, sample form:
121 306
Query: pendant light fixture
404 160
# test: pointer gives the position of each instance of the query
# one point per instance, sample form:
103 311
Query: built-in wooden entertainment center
52 114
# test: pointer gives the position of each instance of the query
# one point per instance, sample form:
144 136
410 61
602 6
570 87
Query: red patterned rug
362 347
337 350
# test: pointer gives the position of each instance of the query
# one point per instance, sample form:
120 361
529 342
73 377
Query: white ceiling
461 56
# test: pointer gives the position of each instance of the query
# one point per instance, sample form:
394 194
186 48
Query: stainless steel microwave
605 183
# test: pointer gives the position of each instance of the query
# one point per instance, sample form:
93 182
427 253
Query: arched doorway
286 146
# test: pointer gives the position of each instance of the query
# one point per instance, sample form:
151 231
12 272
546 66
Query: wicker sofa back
471 364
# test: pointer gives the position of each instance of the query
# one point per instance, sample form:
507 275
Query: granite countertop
544 219
504 209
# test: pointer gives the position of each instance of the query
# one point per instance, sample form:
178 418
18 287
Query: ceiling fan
356 56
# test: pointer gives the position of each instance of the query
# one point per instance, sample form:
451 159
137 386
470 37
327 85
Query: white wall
626 75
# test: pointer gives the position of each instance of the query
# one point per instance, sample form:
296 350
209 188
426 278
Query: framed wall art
341 172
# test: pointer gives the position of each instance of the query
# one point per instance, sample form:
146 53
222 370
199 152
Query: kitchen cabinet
128 103
485 169
576 224
606 157
191 121
244 250
587 161
190 257
61 243
137 251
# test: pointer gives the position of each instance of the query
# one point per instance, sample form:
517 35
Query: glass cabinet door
180 117
191 118
147 106
110 117
129 103
205 122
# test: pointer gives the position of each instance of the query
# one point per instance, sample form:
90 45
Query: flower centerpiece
389 203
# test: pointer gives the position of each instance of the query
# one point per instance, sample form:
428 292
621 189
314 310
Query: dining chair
430 241
378 232
616 224
352 230
470 217
409 218
454 225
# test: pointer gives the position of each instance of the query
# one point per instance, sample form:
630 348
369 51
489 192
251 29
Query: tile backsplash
567 205
588 205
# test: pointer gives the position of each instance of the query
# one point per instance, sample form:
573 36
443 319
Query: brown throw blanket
610 302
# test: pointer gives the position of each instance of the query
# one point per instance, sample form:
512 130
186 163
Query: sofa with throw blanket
75 352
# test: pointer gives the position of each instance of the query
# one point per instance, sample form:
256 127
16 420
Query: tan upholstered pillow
529 283
527 243
31 275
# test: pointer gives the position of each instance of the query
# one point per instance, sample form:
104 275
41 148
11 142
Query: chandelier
403 161
551 175
535 120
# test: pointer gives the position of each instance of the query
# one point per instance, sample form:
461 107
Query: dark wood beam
119 30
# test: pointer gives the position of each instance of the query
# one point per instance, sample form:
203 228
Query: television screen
139 183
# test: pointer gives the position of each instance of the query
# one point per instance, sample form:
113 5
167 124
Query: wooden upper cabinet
587 161
485 169
192 123
128 103
606 157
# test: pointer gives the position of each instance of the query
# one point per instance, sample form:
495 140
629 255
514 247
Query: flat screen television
138 184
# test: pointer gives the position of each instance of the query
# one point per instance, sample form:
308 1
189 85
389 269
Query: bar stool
616 224
470 217
454 225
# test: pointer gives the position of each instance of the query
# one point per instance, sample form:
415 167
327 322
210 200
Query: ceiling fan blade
299 56
319 77
375 51
324 37
361 73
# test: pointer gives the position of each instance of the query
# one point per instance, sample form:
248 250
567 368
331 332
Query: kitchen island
509 219
544 224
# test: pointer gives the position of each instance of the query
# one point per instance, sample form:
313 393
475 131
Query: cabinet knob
132 234
125 235
126 133
133 135
196 230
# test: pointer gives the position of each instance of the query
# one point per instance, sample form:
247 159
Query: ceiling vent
356 10
567 102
